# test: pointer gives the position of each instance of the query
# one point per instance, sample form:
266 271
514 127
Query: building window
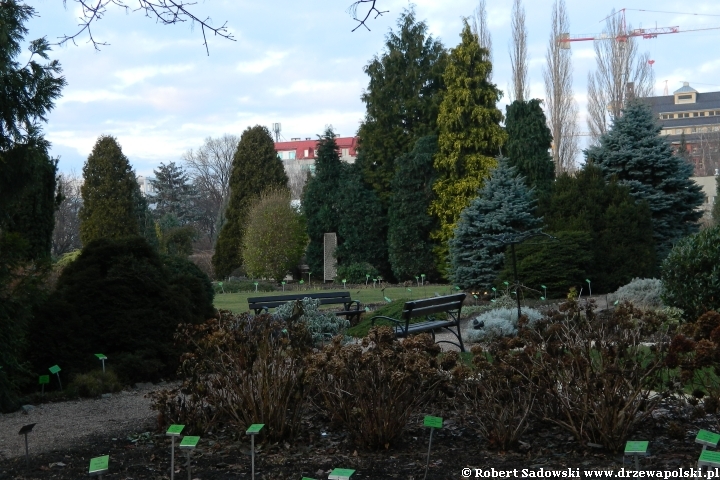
684 97
696 114
345 152
307 153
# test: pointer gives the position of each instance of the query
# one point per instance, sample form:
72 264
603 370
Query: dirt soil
135 454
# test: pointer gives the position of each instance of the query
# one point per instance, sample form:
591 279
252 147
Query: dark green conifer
634 152
321 199
256 167
409 223
528 144
110 194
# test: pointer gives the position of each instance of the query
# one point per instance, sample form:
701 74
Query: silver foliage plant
499 322
641 292
321 325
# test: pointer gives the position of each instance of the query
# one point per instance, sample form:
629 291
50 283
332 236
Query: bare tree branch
618 63
66 234
165 12
352 10
518 54
480 28
562 110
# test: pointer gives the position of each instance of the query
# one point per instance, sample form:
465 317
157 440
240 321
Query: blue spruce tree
502 212
634 153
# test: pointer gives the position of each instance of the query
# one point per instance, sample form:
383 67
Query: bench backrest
450 304
326 298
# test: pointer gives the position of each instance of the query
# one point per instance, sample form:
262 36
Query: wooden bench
429 308
352 307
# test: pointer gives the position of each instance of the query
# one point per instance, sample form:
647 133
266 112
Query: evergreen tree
256 167
402 99
173 194
501 213
528 144
409 224
320 201
634 152
470 136
362 229
620 227
110 194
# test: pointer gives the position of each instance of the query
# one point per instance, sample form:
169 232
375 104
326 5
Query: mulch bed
220 455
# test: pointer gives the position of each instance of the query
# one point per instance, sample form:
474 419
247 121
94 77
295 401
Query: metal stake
427 465
172 458
252 450
188 458
58 375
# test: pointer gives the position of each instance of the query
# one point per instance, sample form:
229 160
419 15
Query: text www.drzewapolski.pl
468 472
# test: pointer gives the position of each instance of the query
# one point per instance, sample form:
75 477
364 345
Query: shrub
356 273
641 292
275 237
499 322
119 298
321 325
595 378
499 399
240 370
691 274
372 389
95 383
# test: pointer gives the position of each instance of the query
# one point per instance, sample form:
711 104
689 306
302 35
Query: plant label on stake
422 275
708 458
188 444
707 439
99 465
374 282
344 281
589 286
102 358
24 431
256 284
173 431
367 277
56 371
253 430
221 287
341 474
544 290
283 284
636 449
433 423
43 380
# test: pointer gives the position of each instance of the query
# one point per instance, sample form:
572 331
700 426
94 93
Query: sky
298 63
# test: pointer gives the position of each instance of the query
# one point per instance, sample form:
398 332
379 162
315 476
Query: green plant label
301 282
709 458
189 442
367 275
543 286
344 280
422 275
457 288
220 283
434 422
54 369
387 300
707 438
475 296
636 448
42 379
367 309
254 428
99 464
494 289
100 356
374 279
283 283
256 284
174 429
542 298
587 280
341 474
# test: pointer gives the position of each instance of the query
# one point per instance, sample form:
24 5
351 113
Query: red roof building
304 151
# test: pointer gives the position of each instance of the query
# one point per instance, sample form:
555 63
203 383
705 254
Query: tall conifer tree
402 99
256 167
321 199
528 144
634 152
502 212
409 224
110 194
470 136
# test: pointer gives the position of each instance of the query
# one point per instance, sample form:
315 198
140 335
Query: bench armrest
258 310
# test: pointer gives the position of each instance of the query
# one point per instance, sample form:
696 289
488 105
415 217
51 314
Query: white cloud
313 86
89 96
132 76
272 59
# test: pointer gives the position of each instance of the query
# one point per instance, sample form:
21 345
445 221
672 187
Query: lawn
237 302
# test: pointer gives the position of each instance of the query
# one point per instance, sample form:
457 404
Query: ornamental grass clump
371 389
239 370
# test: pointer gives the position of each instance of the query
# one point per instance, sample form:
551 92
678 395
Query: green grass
237 302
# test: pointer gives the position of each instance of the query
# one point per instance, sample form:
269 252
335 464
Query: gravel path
62 424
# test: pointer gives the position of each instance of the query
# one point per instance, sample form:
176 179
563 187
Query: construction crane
565 39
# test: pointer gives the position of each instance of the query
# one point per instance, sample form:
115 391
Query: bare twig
166 12
353 11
